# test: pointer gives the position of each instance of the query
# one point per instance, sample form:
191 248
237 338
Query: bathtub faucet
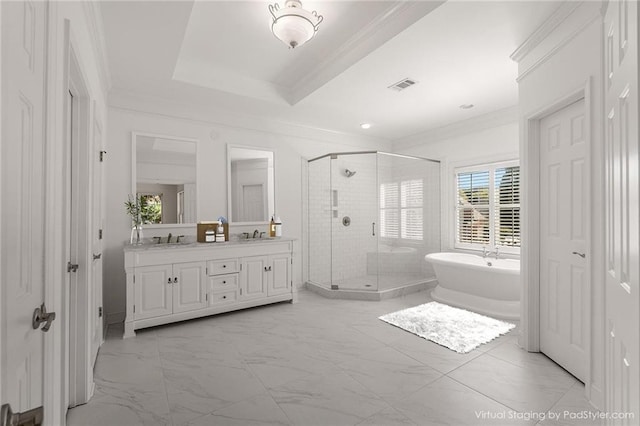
497 252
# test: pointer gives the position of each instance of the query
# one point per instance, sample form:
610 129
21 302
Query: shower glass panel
409 217
354 216
320 217
373 217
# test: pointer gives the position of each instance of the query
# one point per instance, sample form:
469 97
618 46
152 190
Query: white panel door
153 291
95 311
253 277
189 286
279 275
564 224
622 187
23 200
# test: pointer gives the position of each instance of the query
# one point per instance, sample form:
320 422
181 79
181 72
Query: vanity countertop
196 245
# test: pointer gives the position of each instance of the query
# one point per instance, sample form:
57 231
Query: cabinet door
279 275
153 291
253 277
189 286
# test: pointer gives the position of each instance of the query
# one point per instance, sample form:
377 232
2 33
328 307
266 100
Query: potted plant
134 209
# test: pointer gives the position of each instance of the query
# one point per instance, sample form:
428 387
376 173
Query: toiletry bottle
272 228
278 227
209 236
220 237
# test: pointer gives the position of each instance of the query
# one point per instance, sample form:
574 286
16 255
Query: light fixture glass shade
292 24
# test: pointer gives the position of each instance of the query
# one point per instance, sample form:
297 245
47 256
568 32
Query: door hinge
100 312
240 292
206 297
134 279
241 266
206 271
99 234
102 154
134 309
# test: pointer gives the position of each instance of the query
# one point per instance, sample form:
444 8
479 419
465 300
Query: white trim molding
545 29
93 15
472 125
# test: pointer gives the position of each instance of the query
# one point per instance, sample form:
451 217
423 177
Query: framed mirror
250 181
164 175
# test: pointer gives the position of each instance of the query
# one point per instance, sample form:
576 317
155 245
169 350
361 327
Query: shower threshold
365 293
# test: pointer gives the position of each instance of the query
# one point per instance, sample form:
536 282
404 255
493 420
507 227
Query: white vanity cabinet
175 283
168 289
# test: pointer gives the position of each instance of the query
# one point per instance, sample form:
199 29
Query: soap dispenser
272 228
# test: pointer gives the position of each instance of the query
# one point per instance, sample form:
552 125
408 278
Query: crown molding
545 29
490 120
199 113
385 26
93 15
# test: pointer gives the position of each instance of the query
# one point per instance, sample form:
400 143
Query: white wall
463 146
172 119
565 60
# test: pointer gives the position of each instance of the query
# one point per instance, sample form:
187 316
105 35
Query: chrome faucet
158 238
261 234
256 233
245 235
169 238
178 238
497 252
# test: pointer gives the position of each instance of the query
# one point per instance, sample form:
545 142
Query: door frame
530 255
80 374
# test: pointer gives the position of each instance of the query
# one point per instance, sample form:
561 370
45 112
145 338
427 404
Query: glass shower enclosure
373 216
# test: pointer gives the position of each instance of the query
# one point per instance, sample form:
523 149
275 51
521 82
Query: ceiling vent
402 84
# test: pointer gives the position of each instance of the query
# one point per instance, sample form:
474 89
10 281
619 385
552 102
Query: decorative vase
136 235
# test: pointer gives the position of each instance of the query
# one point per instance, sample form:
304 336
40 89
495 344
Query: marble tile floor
320 362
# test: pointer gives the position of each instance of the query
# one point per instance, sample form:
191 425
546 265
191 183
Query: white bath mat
456 329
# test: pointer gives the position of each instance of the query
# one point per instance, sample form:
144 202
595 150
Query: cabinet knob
169 280
224 282
224 266
175 280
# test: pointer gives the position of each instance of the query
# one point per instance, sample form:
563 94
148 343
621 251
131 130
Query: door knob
40 315
582 255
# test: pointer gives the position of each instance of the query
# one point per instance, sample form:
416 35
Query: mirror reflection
165 178
251 184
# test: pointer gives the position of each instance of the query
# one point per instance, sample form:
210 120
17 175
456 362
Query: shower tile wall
320 221
356 198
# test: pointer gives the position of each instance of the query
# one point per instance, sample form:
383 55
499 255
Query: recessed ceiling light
466 106
365 125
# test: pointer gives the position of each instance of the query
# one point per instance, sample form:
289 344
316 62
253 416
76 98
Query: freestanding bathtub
485 285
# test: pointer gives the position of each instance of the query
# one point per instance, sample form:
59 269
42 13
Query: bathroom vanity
168 283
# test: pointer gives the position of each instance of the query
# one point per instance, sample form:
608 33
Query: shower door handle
373 229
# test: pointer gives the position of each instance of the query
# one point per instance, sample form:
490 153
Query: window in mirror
165 178
251 184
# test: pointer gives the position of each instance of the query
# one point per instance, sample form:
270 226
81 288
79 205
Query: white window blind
488 206
401 205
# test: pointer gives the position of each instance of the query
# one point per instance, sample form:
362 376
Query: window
151 208
401 210
488 206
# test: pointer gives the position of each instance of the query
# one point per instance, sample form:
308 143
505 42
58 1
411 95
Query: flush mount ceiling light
365 126
292 24
466 106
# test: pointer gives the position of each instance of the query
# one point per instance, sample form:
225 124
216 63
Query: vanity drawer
224 282
226 297
226 266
